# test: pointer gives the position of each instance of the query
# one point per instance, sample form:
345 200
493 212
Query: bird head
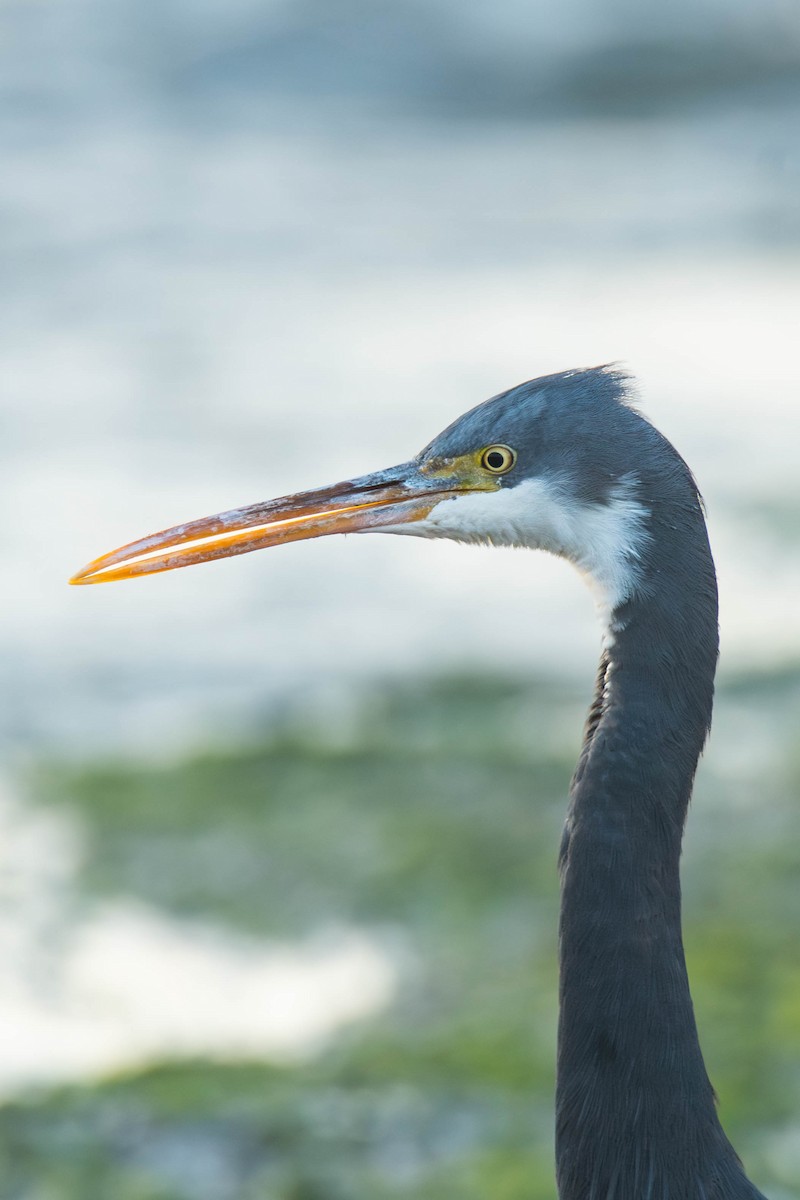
542 465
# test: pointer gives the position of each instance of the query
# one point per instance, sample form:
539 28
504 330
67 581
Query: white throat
604 541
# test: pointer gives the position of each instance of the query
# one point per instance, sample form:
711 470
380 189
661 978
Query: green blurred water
434 823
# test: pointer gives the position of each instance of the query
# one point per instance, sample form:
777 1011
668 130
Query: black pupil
495 459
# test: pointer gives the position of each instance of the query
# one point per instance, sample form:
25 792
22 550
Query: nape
565 463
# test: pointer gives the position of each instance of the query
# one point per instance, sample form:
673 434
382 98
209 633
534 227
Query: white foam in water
89 989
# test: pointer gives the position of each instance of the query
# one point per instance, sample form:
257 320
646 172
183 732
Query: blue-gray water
249 248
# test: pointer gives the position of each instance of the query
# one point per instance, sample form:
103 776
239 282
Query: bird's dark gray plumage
567 464
636 1115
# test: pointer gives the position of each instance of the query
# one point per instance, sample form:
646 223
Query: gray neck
635 1110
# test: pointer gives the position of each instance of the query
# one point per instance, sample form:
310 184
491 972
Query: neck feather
636 1117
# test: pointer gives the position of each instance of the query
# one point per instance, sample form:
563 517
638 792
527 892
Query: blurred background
278 836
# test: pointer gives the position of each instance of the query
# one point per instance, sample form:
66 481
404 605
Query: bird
567 463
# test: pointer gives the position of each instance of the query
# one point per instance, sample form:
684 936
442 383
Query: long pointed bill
392 497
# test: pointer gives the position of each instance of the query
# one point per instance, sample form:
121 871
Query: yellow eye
498 459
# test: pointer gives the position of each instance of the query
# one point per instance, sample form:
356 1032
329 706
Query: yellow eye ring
498 459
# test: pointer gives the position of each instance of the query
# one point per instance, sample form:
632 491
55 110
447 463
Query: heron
566 463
